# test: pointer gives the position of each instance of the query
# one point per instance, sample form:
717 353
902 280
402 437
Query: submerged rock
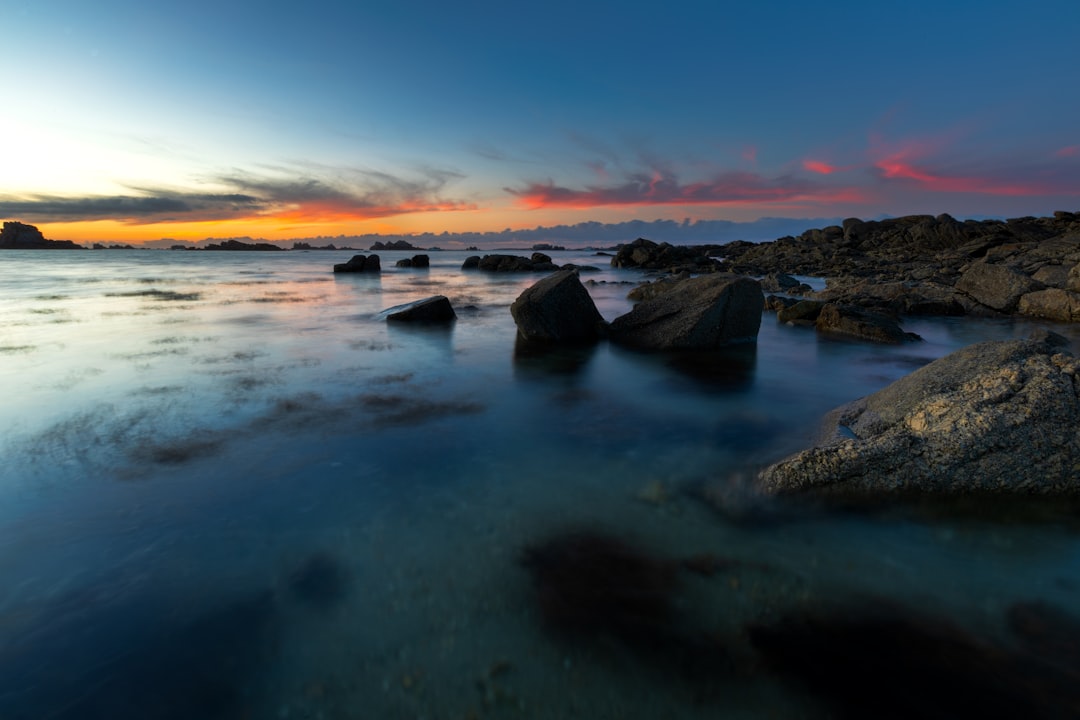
700 313
558 309
994 417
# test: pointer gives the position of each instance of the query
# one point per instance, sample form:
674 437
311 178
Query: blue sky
135 120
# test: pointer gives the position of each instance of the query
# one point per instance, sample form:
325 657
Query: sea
230 488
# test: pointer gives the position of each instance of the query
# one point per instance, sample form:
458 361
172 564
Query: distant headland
19 236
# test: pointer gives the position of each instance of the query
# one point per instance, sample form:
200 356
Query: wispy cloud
291 193
1069 151
927 164
664 188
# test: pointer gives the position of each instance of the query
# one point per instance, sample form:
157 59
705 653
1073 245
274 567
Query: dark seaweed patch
160 295
15 349
392 410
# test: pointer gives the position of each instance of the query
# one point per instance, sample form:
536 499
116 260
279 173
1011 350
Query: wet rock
416 261
433 310
360 264
471 263
705 312
859 324
783 283
1052 304
558 309
994 417
803 312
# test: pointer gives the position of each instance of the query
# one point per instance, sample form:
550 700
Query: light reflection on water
195 437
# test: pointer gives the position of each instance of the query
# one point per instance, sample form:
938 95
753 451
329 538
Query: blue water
185 435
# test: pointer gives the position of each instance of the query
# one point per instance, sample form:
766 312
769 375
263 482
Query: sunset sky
127 120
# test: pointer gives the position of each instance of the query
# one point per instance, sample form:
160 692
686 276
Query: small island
20 236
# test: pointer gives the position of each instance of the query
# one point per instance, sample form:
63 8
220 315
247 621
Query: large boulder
996 286
360 264
433 310
994 417
558 309
701 313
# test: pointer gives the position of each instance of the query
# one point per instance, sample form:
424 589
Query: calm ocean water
230 489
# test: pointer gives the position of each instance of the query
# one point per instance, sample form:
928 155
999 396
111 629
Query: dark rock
433 310
558 309
471 263
776 303
19 236
649 255
237 246
656 288
360 264
700 313
539 257
994 417
404 263
421 261
803 312
857 323
514 263
1052 304
996 286
779 282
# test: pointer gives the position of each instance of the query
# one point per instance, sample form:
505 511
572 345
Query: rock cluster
925 265
648 255
416 261
236 245
394 245
999 416
538 262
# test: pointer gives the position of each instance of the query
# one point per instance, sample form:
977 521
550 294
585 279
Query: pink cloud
731 188
1068 151
820 167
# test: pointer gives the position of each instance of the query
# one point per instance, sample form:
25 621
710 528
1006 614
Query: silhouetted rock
19 236
994 417
394 245
700 313
433 310
516 263
471 263
237 246
557 309
360 264
646 254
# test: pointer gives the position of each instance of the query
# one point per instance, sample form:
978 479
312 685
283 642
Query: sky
128 120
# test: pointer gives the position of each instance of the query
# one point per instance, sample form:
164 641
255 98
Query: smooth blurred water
186 434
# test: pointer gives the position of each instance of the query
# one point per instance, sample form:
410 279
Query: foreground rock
435 310
995 417
700 313
558 309
20 236
360 264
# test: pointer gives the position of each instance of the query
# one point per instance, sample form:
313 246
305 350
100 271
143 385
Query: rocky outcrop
395 245
471 263
927 265
360 264
435 310
237 246
20 236
649 255
995 417
558 309
700 313
860 324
